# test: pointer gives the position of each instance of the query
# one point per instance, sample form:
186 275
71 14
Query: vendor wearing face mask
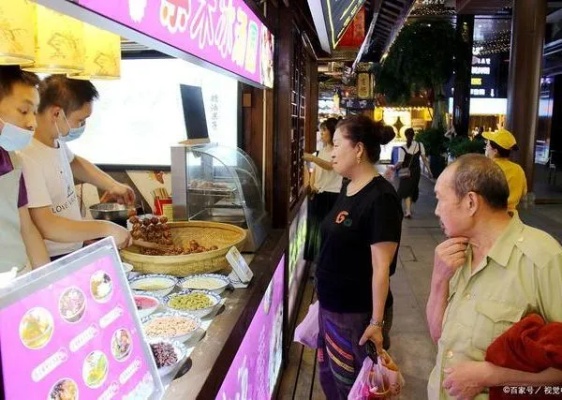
50 168
19 238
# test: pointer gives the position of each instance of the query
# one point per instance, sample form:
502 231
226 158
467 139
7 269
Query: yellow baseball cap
502 138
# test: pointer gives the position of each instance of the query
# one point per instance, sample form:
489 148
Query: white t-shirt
50 182
413 149
326 180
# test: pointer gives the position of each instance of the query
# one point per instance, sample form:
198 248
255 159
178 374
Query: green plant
419 61
434 141
463 145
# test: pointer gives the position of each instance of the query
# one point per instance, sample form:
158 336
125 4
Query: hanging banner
226 33
331 18
364 88
355 33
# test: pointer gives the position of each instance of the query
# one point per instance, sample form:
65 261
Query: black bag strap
412 155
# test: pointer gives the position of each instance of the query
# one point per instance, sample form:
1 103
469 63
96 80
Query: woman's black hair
409 133
502 153
360 128
330 125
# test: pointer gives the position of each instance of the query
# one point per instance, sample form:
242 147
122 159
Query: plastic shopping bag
382 380
307 331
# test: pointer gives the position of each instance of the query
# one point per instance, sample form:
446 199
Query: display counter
212 357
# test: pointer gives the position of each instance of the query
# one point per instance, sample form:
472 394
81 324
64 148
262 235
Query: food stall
225 348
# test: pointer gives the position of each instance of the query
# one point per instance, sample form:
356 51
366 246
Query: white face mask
13 138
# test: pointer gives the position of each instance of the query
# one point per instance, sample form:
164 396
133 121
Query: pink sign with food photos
74 334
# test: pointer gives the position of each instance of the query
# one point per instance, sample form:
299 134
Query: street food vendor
20 240
50 168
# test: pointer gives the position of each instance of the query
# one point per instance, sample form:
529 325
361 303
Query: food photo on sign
73 328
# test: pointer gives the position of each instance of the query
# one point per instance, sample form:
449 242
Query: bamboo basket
207 234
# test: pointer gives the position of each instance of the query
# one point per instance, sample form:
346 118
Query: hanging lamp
58 44
17 27
102 59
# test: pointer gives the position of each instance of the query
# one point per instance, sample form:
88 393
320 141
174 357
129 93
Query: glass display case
220 184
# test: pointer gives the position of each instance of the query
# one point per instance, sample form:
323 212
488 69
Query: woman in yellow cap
498 147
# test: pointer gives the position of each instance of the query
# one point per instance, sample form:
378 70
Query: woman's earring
358 160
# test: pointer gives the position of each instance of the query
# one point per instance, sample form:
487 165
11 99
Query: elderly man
490 272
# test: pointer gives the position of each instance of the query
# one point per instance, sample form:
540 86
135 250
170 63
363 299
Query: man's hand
121 236
450 255
466 380
374 334
120 193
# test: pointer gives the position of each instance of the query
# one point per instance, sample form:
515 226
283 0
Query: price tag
239 265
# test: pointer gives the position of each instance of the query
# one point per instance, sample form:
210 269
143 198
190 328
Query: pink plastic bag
377 381
306 332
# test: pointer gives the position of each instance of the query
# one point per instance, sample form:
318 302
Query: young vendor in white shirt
50 168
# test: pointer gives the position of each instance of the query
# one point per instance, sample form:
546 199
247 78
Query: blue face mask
13 138
73 134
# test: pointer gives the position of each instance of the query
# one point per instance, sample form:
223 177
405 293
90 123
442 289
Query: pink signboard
225 33
75 337
256 366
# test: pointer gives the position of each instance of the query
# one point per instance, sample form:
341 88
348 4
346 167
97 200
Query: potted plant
434 142
463 145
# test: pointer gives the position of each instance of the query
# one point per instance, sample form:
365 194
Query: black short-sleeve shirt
344 270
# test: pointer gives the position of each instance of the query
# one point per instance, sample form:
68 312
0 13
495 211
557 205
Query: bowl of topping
215 283
172 325
157 284
196 302
146 304
167 354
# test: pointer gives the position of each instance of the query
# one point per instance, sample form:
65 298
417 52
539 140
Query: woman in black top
360 238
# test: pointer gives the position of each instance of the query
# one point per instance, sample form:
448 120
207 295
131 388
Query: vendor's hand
449 256
466 380
121 235
308 157
120 193
374 334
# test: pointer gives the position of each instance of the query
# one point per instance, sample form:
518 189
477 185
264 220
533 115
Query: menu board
257 364
227 34
70 331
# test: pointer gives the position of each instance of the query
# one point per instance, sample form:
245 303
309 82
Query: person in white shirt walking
409 157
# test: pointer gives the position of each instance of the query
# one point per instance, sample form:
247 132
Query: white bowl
199 312
179 349
215 283
127 267
154 303
165 322
157 284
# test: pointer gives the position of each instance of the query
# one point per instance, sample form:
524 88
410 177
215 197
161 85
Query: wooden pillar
282 134
463 64
527 42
